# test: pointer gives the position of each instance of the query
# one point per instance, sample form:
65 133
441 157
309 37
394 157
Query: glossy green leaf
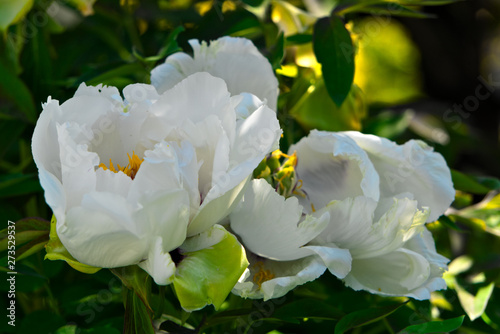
364 317
334 50
434 326
56 251
211 265
12 11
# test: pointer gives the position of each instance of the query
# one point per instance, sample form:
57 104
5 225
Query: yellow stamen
262 275
313 208
134 163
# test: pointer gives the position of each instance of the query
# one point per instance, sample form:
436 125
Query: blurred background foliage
409 71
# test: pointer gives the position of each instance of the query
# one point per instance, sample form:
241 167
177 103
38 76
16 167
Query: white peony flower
275 234
129 179
236 60
374 239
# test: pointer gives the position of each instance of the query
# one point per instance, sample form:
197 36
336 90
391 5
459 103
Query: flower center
279 170
130 170
262 275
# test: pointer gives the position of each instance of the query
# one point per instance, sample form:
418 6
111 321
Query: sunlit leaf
12 11
316 110
474 306
206 276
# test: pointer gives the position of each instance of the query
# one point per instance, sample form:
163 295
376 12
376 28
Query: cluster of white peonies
132 179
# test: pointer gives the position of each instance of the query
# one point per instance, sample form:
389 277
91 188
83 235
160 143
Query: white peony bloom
236 60
374 238
378 229
275 234
129 179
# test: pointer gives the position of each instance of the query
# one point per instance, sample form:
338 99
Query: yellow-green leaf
12 11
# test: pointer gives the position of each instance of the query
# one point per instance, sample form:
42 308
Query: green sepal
212 263
56 251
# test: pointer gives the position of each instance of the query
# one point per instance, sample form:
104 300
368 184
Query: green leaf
26 230
138 312
316 110
364 317
334 50
474 306
13 89
299 39
434 326
388 124
277 52
56 251
213 262
446 221
253 3
138 316
12 11
109 78
308 308
467 183
386 8
170 46
136 279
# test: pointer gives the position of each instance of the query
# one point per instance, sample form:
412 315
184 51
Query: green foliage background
410 74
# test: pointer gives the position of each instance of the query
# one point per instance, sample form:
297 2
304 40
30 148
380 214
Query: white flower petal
204 240
399 273
256 136
212 211
412 167
164 214
159 264
333 167
337 260
195 98
77 163
423 244
102 233
117 183
55 195
350 223
271 226
44 144
396 226
286 275
236 60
